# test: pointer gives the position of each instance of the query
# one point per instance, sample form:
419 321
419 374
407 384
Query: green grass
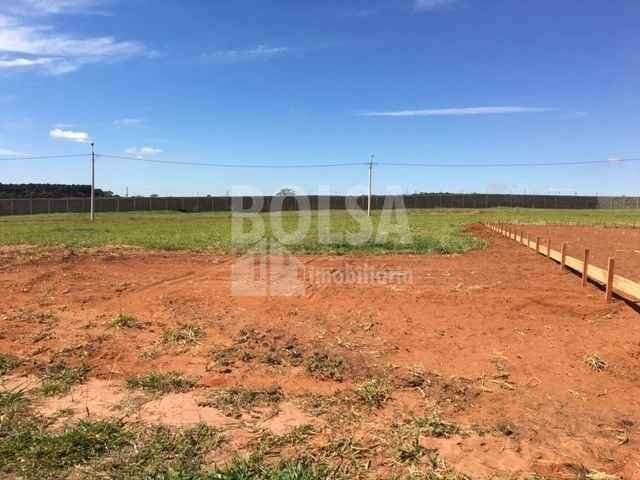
373 393
183 335
8 363
31 451
161 383
290 470
162 453
326 367
124 321
434 426
439 231
59 378
234 401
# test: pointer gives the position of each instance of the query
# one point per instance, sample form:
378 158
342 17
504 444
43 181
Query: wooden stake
549 247
610 269
585 268
563 252
537 244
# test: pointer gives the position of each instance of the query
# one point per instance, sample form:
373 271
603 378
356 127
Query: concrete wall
26 206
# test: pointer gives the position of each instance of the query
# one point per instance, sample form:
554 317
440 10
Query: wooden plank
619 285
610 269
573 263
625 287
585 268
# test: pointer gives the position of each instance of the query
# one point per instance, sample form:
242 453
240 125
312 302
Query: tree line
48 190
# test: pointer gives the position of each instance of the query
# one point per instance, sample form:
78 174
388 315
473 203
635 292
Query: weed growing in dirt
254 469
59 378
373 393
12 401
184 335
326 367
269 444
8 363
236 400
30 451
414 378
161 383
596 363
43 318
270 347
352 456
124 321
434 426
162 453
581 472
411 452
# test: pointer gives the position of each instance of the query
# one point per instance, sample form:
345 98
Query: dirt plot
621 243
494 362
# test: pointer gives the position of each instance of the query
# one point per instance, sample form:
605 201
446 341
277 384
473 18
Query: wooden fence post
610 271
585 268
563 253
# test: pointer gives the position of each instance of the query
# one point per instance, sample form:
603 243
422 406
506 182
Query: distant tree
286 192
46 190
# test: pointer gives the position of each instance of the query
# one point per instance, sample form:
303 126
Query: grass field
440 231
140 366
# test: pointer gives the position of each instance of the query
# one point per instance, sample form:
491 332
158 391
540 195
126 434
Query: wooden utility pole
93 182
370 185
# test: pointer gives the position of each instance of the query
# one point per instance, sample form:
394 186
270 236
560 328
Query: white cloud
261 52
7 152
16 63
41 47
69 135
457 111
128 122
426 5
144 152
49 7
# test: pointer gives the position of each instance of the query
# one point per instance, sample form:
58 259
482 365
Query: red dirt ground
621 243
502 336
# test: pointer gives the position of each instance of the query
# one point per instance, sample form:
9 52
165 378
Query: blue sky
307 82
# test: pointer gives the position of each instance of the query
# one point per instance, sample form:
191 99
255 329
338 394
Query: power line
229 165
384 164
514 164
335 164
41 157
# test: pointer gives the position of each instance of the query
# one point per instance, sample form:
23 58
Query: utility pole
93 182
370 185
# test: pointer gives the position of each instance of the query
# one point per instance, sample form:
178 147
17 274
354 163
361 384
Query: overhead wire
42 157
231 165
331 165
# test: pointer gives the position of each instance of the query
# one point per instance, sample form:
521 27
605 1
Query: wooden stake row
613 283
